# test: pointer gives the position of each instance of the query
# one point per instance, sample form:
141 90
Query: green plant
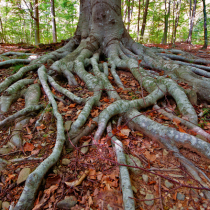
16 68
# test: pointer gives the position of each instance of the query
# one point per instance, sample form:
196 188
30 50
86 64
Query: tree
205 26
167 14
53 21
144 19
36 22
191 20
100 33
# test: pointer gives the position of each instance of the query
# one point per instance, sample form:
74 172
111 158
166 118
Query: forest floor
101 188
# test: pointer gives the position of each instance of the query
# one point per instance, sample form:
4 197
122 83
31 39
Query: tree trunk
177 13
101 33
129 14
2 31
167 14
191 21
138 24
144 20
36 22
53 21
205 26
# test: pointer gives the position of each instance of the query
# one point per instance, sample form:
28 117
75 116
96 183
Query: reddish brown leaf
28 147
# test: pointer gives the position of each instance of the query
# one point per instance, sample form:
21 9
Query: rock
130 159
23 175
67 125
84 150
201 137
65 161
149 196
5 205
145 178
180 196
67 203
168 184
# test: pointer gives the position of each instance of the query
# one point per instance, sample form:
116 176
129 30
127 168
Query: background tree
205 26
167 14
53 21
191 20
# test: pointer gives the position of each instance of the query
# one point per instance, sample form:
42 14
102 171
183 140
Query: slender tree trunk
2 31
167 14
144 19
53 21
36 22
129 14
139 12
205 26
177 13
192 17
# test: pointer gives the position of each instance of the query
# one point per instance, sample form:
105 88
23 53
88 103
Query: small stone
149 196
205 205
23 175
134 189
196 200
65 161
168 184
5 205
142 191
84 150
180 196
201 194
67 203
145 178
130 159
67 125
165 152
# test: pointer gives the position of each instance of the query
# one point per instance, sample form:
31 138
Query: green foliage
16 68
18 25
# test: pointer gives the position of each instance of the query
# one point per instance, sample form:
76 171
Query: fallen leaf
182 130
72 105
28 136
41 127
176 121
28 147
35 152
149 156
10 176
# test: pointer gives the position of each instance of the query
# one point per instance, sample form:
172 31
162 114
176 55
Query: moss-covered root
125 182
64 91
32 96
190 125
122 106
15 77
13 62
20 113
34 180
172 140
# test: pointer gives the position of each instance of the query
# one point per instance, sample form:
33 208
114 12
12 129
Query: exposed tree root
125 182
84 52
13 62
